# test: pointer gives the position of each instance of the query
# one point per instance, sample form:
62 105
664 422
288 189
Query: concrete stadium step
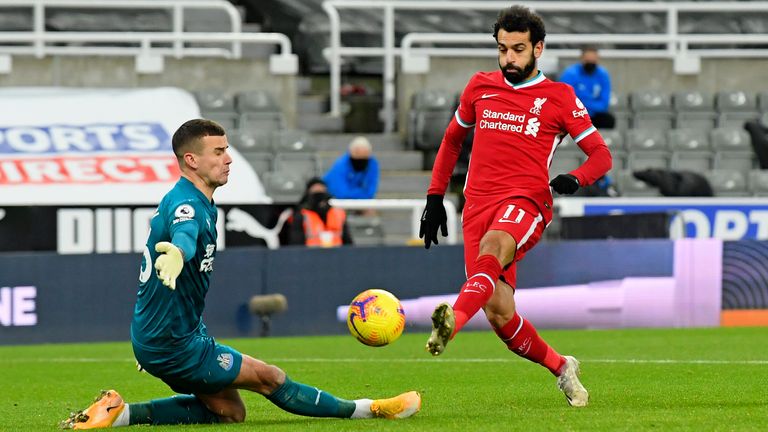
388 160
404 182
340 141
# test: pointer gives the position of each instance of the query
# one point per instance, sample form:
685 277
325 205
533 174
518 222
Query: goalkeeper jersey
165 318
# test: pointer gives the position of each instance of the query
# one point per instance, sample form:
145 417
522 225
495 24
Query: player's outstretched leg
401 406
568 382
443 323
102 413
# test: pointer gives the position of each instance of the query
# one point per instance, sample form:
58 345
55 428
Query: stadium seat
215 101
641 160
652 110
688 160
283 187
250 142
305 165
682 140
613 138
433 100
430 128
735 108
365 230
730 139
227 120
219 107
431 110
564 162
728 182
758 182
292 141
735 160
619 159
733 149
630 186
256 101
646 140
762 101
261 162
694 110
261 121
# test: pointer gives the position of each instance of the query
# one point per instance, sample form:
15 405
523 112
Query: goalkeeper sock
186 409
523 339
304 400
477 290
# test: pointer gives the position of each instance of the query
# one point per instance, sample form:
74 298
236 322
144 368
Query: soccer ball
376 317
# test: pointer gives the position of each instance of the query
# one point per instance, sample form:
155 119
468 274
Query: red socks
523 339
477 290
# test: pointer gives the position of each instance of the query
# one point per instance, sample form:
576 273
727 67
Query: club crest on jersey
225 361
184 212
537 104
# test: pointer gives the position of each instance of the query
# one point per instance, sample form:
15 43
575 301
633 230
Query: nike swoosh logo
112 407
473 291
486 96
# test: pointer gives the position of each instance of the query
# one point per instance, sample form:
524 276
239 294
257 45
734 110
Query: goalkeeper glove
169 263
433 218
565 184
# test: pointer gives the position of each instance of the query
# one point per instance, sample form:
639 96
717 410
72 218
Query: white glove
169 264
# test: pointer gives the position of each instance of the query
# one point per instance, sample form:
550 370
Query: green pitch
659 380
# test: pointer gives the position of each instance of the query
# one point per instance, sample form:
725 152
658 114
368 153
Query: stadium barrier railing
41 42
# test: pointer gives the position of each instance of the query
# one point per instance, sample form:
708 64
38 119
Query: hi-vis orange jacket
328 234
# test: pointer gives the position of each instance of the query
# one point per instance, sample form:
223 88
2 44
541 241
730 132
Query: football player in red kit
519 117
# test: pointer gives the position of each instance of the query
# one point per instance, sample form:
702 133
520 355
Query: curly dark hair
520 19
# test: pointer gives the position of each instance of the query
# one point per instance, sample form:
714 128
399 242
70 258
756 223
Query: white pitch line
405 360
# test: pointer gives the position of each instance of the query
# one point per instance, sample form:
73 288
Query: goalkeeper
169 338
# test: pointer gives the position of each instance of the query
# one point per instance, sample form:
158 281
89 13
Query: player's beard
515 75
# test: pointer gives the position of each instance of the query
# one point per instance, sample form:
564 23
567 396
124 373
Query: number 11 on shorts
508 213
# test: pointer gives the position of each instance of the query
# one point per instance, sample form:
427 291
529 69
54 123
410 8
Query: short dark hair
191 132
588 48
520 19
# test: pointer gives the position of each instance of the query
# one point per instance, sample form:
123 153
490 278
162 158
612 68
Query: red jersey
517 130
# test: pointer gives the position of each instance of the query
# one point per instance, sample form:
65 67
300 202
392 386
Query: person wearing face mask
315 223
592 84
355 174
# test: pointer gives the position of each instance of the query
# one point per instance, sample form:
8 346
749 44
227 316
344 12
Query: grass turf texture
665 380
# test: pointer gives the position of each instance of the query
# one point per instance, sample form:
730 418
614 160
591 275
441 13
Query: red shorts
517 216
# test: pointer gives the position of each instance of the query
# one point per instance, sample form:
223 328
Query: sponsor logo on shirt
503 121
537 104
487 95
581 111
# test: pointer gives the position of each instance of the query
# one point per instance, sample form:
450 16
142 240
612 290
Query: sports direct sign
80 146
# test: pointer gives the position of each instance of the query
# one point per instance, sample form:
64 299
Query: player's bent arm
599 159
447 155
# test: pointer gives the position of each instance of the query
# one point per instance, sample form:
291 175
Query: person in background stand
354 175
315 223
592 84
